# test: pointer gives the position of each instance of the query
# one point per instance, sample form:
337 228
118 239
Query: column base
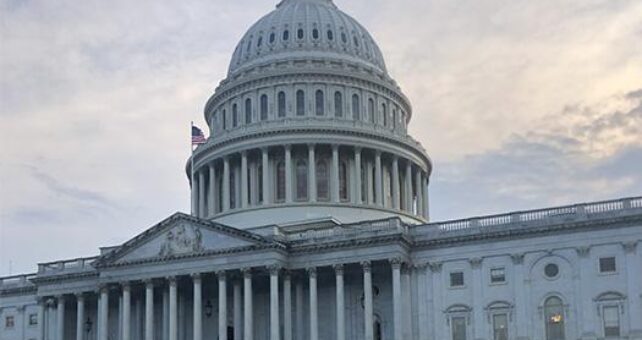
588 336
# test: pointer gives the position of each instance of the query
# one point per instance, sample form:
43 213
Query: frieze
182 240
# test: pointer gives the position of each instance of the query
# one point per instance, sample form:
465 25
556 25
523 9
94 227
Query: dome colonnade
308 117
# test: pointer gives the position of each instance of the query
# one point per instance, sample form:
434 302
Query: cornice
64 277
17 291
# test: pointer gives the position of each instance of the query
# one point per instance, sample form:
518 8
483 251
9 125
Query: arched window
301 180
300 103
320 103
330 35
286 35
371 110
272 37
259 42
323 181
344 38
554 318
356 107
232 190
338 104
224 119
264 107
300 33
315 34
384 113
235 115
280 182
281 104
248 111
343 181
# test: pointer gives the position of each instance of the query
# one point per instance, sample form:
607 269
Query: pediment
178 236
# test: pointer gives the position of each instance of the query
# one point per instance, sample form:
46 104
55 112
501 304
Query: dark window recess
315 33
286 35
607 265
330 35
300 33
497 275
356 42
344 38
551 270
272 37
456 279
259 42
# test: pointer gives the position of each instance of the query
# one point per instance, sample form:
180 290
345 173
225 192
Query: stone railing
15 280
74 265
365 229
568 213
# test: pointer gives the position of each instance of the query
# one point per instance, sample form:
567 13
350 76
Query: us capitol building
310 220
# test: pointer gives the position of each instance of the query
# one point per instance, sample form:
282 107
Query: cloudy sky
521 104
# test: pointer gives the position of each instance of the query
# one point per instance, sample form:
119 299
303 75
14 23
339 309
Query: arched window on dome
235 115
319 103
300 33
249 46
344 38
264 107
343 181
330 35
301 180
224 119
323 180
356 107
300 103
338 104
259 43
371 110
248 111
286 35
554 318
280 182
384 114
356 41
272 37
281 104
315 34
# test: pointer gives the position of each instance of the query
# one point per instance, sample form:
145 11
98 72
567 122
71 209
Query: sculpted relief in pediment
182 240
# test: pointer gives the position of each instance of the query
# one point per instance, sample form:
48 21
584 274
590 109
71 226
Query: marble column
80 316
103 326
395 183
60 318
238 312
274 303
267 196
41 319
288 174
478 313
367 301
418 184
173 310
426 197
149 310
197 308
248 326
340 303
299 309
126 320
357 163
222 305
212 191
406 304
334 175
397 299
520 295
422 301
312 173
244 185
314 321
633 277
195 186
202 207
287 306
226 184
378 179
408 185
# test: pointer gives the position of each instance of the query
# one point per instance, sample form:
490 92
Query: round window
551 270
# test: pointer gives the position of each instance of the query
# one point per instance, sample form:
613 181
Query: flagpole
191 197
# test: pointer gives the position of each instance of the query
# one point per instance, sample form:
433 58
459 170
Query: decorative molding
196 277
274 269
475 262
367 266
184 239
222 274
435 267
312 272
338 269
396 262
583 251
630 246
247 272
517 258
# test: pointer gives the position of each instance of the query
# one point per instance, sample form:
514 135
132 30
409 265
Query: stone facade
310 220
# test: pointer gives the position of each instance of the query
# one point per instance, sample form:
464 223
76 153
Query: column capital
171 280
247 272
274 269
103 287
435 267
334 147
149 283
125 285
420 265
243 153
287 147
378 153
196 277
629 247
358 149
338 268
312 272
367 266
396 262
475 262
221 274
80 296
583 251
312 146
60 298
265 149
518 258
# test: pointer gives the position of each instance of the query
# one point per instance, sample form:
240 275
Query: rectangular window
611 321
33 319
457 279
9 322
500 327
459 328
607 265
497 275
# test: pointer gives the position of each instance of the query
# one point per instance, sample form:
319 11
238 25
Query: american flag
197 136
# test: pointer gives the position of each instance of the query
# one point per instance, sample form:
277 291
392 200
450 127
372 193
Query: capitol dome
308 126
304 29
